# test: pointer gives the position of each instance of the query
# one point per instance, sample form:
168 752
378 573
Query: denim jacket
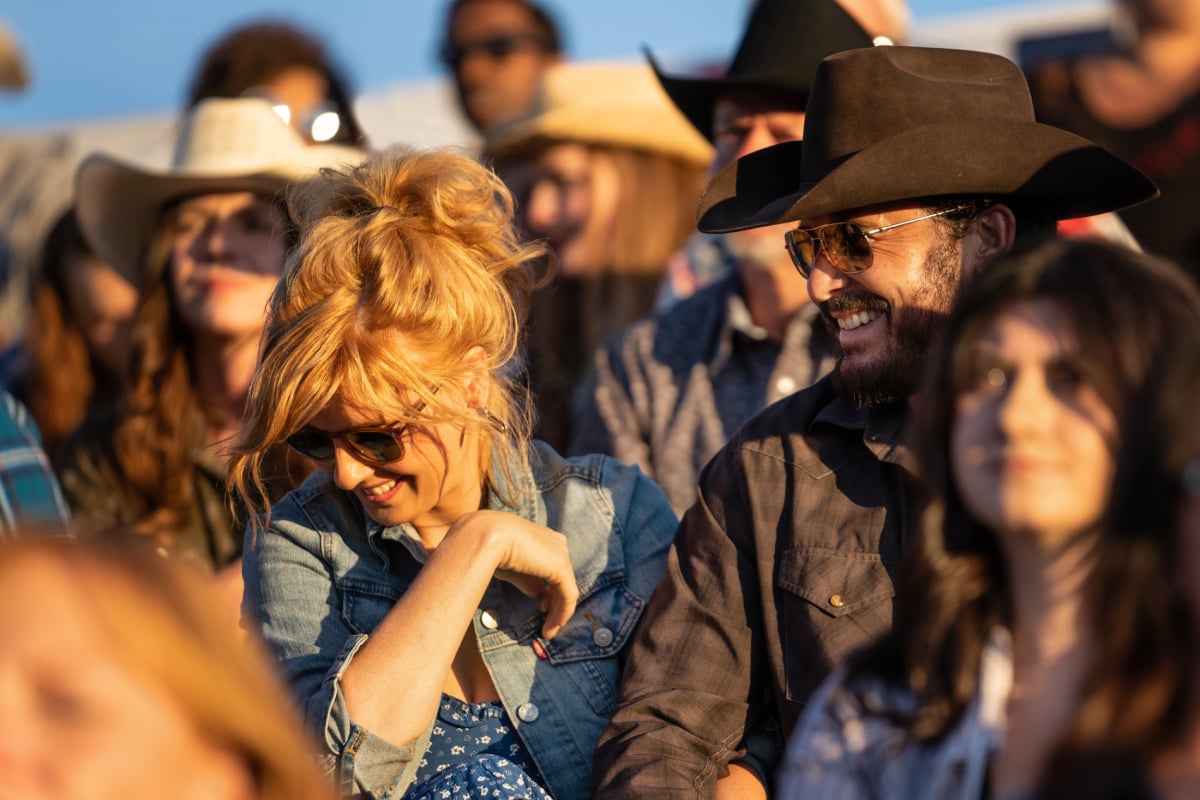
323 575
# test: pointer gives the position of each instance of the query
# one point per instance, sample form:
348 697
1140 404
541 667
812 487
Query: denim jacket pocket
365 603
586 648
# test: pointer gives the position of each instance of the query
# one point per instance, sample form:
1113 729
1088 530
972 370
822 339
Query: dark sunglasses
374 445
497 48
847 245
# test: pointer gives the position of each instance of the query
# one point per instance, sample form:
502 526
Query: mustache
859 301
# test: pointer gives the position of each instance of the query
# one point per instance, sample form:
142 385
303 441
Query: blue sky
92 60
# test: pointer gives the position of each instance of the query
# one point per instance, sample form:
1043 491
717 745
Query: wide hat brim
119 204
1047 172
782 45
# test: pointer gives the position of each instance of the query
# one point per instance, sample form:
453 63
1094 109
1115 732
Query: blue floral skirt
484 776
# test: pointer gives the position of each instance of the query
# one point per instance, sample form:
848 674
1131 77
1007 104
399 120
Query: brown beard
911 332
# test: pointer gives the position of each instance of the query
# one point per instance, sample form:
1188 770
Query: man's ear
478 378
990 236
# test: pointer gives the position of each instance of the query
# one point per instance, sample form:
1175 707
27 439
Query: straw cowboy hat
224 145
783 43
601 103
887 124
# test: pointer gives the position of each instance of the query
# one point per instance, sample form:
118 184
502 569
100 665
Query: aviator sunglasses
847 245
374 445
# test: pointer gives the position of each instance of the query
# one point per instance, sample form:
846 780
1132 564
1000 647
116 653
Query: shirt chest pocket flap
837 583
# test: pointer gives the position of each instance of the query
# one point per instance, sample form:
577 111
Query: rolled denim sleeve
292 600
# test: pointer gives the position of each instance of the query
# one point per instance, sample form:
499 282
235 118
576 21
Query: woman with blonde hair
449 599
127 683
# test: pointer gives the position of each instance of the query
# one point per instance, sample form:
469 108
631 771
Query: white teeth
858 320
375 491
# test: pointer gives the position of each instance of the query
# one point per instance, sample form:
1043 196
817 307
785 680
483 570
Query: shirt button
603 637
837 601
785 385
527 712
488 621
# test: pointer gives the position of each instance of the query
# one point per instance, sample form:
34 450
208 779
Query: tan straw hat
601 103
224 145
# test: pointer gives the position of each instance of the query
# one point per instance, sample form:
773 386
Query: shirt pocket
586 648
365 603
831 602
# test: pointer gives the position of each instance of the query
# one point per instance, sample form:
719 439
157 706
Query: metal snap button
488 621
527 712
603 637
837 601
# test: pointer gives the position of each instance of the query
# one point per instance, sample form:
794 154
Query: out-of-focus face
742 123
1032 443
435 482
572 201
80 720
226 259
300 97
498 58
102 302
884 319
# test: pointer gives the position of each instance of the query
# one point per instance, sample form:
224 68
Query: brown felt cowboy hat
783 43
888 124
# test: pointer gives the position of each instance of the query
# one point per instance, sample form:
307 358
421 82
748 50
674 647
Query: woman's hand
531 557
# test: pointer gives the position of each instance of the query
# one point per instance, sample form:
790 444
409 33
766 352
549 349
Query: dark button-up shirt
670 391
783 566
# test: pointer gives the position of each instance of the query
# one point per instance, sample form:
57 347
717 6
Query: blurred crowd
816 424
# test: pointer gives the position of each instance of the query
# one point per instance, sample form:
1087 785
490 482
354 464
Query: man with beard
918 168
668 392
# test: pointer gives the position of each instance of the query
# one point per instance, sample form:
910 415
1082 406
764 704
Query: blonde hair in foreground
405 263
159 618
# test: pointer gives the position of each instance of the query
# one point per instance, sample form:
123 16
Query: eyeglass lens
846 245
377 446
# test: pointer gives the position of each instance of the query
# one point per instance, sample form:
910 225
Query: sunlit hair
159 618
63 379
650 186
160 425
1140 700
1124 309
405 264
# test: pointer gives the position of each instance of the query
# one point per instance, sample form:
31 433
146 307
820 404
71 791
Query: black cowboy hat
783 43
888 124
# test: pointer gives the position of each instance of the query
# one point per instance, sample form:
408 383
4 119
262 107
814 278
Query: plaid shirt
852 744
670 391
29 493
782 567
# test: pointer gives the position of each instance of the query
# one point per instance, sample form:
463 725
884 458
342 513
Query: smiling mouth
858 320
377 491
